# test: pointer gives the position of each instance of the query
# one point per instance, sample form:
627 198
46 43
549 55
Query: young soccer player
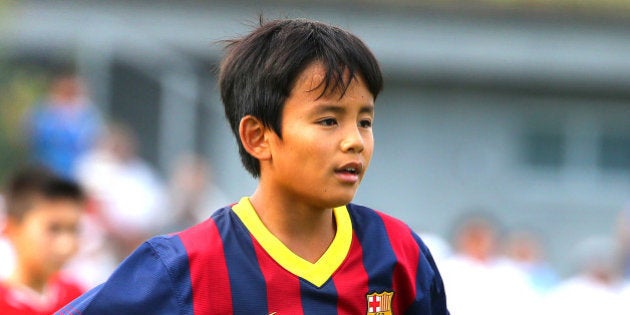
43 213
299 96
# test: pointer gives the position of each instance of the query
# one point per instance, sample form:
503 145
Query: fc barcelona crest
380 303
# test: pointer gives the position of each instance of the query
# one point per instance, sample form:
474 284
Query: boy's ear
253 134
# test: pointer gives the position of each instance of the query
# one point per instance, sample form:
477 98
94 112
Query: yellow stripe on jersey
316 273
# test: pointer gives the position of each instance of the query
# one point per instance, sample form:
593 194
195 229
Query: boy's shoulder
367 223
195 238
364 214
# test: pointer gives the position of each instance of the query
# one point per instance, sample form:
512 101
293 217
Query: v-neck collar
316 273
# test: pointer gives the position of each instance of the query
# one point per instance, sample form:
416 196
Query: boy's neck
21 277
306 231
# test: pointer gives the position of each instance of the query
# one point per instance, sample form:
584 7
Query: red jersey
21 300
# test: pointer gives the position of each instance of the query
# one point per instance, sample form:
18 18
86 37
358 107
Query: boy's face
326 143
47 236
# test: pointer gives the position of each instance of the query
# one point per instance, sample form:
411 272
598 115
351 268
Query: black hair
260 70
28 184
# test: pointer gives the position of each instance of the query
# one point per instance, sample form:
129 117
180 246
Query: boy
43 213
299 96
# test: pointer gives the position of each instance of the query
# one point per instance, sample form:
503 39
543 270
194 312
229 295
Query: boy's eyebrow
366 109
369 109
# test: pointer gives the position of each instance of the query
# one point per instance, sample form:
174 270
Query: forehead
44 209
313 80
311 77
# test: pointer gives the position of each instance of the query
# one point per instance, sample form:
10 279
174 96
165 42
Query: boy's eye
58 228
328 122
55 228
365 123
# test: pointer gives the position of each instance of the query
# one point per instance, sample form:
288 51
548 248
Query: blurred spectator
440 248
7 263
623 229
64 125
128 196
476 280
43 213
596 288
525 251
194 196
625 296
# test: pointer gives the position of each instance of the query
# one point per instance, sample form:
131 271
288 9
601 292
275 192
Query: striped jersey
231 264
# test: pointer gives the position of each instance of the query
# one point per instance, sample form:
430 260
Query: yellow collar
316 273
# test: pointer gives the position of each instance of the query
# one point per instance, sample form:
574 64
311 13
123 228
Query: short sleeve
142 284
437 296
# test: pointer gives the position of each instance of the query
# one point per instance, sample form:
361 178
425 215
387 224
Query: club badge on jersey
380 303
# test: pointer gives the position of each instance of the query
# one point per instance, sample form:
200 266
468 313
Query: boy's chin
341 201
329 201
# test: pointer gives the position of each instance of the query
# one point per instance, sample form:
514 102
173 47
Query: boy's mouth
350 168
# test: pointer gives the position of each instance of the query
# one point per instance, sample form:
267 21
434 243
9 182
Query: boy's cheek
32 239
33 247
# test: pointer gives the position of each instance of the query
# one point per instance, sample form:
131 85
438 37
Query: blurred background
517 109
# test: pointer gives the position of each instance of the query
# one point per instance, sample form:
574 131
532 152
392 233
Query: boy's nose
353 141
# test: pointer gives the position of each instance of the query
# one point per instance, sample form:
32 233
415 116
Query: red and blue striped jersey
231 264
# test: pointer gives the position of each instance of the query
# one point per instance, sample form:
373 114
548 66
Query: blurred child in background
42 217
